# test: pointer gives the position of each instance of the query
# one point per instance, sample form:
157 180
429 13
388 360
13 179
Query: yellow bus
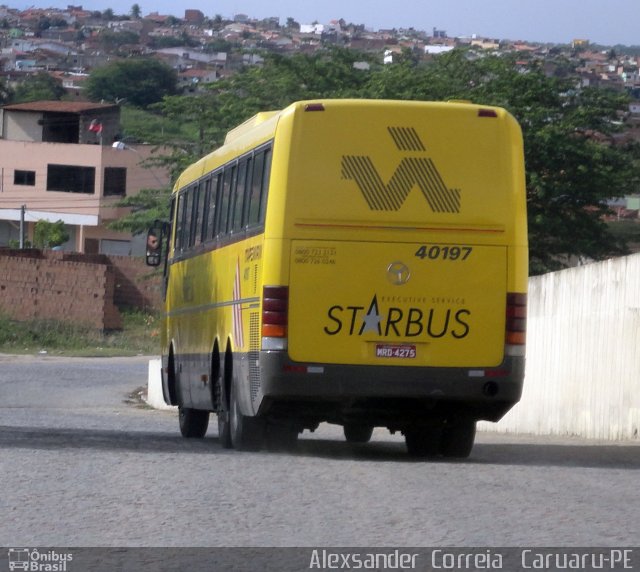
361 263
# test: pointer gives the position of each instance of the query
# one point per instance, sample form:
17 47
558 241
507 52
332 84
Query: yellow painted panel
436 304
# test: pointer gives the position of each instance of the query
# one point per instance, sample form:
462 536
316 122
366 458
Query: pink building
58 160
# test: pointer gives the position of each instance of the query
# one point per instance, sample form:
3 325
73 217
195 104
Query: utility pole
23 208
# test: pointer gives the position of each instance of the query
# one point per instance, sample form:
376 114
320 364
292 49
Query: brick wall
136 284
78 288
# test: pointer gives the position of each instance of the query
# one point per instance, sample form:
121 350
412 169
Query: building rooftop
60 106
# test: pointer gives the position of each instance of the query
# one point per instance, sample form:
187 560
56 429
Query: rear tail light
516 323
275 316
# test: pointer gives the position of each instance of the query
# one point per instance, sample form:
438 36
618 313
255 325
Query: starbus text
399 322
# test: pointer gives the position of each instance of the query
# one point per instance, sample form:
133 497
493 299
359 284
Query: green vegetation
140 82
49 234
573 165
6 92
626 230
113 41
138 336
152 127
147 206
38 87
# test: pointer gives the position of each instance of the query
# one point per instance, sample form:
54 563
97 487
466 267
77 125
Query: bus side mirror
154 246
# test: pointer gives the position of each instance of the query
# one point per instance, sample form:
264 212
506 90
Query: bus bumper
481 393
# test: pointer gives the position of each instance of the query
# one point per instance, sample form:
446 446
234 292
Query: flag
95 126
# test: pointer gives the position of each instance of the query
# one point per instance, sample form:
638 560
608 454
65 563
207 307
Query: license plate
395 351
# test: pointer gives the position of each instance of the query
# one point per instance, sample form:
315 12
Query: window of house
71 179
24 178
115 181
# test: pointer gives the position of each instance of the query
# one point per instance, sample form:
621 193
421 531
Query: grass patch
139 336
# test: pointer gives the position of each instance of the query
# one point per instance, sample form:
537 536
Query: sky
607 22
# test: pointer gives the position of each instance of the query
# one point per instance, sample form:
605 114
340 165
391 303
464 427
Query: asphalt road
83 464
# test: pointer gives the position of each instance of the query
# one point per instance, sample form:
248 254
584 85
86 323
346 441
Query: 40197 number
437 252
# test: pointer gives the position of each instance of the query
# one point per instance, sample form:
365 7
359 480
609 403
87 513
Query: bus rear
396 256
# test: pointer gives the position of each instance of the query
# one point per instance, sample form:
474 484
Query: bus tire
171 380
423 441
193 422
457 440
246 433
223 415
357 432
224 430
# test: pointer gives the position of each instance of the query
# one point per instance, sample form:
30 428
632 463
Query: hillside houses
69 44
77 40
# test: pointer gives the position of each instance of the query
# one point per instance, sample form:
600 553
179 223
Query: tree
292 24
160 42
142 82
573 167
217 22
146 206
6 93
208 118
38 87
108 14
573 164
218 45
172 21
187 40
135 11
111 40
44 23
49 234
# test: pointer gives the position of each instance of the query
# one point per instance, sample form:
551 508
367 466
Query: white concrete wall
583 354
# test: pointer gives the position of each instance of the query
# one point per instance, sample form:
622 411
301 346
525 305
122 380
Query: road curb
155 398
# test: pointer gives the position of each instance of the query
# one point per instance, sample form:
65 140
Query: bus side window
253 216
266 173
180 222
214 198
247 193
238 196
228 183
171 238
199 213
206 185
188 219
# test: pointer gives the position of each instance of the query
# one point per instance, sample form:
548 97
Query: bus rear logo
398 273
411 172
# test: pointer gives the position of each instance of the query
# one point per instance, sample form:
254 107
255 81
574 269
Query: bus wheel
357 432
193 422
457 440
223 415
247 433
224 430
423 441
